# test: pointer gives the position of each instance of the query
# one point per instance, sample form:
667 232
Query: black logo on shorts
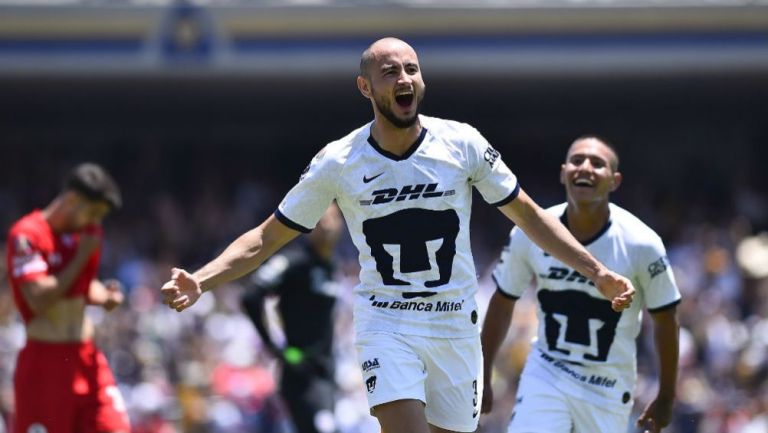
370 364
625 398
370 383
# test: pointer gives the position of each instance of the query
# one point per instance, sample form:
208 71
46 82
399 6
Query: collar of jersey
564 220
404 156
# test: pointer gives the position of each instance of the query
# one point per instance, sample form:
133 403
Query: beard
386 110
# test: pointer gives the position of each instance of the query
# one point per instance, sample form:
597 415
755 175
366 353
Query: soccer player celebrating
580 374
404 184
62 382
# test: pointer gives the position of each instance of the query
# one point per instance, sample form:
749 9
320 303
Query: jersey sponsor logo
30 264
410 192
369 179
577 323
564 367
657 267
414 232
370 384
22 246
593 379
426 306
491 155
603 381
370 364
557 273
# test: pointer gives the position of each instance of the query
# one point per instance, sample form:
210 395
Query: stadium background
206 112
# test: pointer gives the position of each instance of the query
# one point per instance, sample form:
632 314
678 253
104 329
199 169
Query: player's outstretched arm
242 256
495 328
549 234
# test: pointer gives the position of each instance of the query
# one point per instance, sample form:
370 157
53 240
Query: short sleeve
306 202
488 173
655 277
27 262
513 274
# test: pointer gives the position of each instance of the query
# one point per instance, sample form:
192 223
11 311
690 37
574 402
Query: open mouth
404 99
583 183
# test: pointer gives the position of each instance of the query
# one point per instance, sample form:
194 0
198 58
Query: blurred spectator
302 278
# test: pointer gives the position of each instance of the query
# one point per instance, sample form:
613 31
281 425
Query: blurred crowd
205 370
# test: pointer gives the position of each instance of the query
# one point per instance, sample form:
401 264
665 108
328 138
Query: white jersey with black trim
409 219
588 349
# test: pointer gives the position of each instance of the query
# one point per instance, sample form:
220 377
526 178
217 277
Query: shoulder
634 230
329 160
519 237
32 225
338 151
557 210
450 129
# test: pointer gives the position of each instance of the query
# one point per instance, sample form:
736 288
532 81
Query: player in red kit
62 382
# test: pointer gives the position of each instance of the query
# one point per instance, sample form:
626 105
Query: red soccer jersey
34 251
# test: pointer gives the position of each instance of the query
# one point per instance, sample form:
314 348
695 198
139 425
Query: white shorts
444 373
542 408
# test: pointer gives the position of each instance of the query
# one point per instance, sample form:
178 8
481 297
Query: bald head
379 48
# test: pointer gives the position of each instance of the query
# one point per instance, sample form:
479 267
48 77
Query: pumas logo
370 384
411 192
370 364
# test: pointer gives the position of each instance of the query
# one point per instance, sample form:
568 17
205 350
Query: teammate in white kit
404 184
581 371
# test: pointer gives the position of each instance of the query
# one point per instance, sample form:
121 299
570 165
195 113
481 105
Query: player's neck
586 220
52 214
393 139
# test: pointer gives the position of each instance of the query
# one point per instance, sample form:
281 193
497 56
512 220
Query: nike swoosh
474 414
368 179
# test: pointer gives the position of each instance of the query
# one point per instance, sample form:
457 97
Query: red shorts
66 388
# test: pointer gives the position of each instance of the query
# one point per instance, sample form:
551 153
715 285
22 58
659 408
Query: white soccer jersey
582 344
409 219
